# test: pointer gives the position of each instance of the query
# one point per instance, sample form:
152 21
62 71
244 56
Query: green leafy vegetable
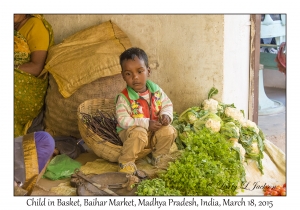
230 130
155 187
253 144
215 138
223 118
209 120
208 166
190 115
213 91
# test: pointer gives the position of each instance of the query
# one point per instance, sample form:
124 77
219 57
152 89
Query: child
144 113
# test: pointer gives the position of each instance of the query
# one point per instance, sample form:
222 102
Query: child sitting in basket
144 113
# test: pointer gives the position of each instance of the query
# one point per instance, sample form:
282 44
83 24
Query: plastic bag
60 167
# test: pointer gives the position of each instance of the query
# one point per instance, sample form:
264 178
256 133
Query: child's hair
131 53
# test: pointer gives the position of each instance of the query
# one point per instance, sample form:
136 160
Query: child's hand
154 125
165 120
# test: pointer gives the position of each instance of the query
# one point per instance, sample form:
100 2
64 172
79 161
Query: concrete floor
274 125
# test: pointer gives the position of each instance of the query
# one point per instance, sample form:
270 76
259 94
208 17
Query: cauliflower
249 123
210 105
255 149
230 130
235 114
214 125
242 150
237 130
240 146
190 115
209 120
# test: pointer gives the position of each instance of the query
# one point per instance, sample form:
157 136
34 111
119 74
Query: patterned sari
29 91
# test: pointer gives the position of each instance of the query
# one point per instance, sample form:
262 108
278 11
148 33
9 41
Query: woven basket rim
97 100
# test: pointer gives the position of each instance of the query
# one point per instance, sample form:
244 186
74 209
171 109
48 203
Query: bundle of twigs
104 125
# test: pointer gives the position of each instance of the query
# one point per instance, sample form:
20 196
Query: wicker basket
100 147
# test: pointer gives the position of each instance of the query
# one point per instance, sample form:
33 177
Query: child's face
135 73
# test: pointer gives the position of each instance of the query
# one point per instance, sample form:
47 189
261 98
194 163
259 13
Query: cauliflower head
249 123
191 117
235 114
214 125
255 149
210 105
242 150
230 130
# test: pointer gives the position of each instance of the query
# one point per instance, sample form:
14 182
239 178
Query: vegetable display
225 119
208 166
215 139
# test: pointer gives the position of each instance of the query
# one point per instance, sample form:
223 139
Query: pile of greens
208 166
155 187
225 119
215 139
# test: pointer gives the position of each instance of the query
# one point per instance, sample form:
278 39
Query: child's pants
136 138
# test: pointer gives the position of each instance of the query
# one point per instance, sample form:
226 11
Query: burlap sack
84 66
87 55
61 113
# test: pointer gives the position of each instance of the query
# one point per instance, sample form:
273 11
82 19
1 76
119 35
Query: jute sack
85 56
61 113
84 66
